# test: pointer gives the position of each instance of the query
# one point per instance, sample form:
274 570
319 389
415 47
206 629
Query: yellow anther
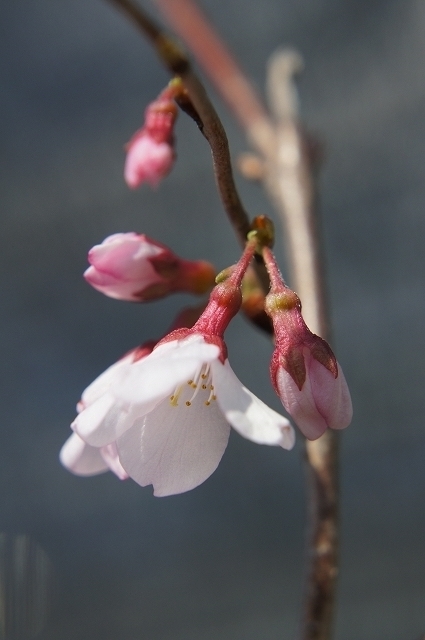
173 400
175 397
188 403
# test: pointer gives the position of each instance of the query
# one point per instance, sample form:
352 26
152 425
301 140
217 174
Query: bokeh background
225 560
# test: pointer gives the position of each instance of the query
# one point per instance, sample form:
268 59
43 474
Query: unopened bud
131 266
303 369
150 152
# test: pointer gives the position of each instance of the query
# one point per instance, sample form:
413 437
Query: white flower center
201 384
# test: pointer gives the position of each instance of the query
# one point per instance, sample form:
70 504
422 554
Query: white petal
175 448
194 346
81 458
248 414
102 383
135 389
110 455
103 421
331 395
153 378
301 404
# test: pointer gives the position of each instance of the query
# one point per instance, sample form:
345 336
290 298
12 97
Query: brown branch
188 21
323 537
178 64
291 183
214 133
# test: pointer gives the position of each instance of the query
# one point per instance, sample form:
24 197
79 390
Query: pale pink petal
121 265
246 413
156 376
331 395
117 288
102 383
175 448
110 455
301 405
101 279
103 421
81 458
137 388
127 258
129 250
147 161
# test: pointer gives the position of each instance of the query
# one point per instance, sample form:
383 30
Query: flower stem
275 275
243 263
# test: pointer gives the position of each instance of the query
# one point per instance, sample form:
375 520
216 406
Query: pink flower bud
131 266
304 370
150 152
322 401
147 160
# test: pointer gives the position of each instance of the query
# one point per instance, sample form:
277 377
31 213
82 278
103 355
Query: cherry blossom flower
78 456
131 266
304 370
170 412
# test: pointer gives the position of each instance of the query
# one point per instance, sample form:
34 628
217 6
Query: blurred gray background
225 560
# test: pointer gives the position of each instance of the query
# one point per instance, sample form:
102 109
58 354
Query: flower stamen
212 396
203 374
175 397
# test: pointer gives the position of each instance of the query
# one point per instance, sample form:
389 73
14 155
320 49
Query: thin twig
292 185
178 64
188 21
288 180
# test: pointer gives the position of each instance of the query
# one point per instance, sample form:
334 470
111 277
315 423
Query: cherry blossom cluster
162 414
